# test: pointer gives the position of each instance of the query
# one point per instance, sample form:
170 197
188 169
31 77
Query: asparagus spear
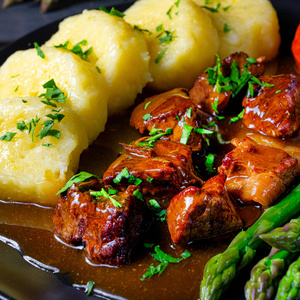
221 269
289 286
286 237
266 274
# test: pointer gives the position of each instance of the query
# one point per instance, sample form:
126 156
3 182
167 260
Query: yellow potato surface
192 48
253 27
119 51
30 170
24 73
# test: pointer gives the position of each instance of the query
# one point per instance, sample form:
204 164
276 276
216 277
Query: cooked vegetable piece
221 269
266 274
286 237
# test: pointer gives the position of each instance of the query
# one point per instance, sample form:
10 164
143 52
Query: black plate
19 279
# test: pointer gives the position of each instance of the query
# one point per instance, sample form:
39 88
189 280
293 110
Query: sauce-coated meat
165 169
256 172
169 110
108 232
201 213
205 95
274 110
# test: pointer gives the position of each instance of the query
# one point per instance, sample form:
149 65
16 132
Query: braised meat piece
165 167
256 172
205 95
201 213
170 110
107 231
274 110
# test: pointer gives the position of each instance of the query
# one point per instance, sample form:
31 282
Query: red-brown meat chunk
201 213
256 172
165 169
107 231
169 110
274 110
205 95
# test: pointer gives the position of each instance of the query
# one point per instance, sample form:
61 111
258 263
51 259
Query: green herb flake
98 69
226 28
53 93
148 245
77 49
146 117
186 131
203 131
189 112
90 286
105 194
111 191
39 50
209 163
137 193
80 177
212 9
125 174
136 27
47 145
24 101
226 7
164 260
16 89
160 56
150 179
147 104
238 117
159 27
277 92
8 136
113 12
156 208
22 126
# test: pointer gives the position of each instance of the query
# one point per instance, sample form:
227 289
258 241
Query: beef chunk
201 213
274 110
107 231
256 172
165 169
171 110
205 95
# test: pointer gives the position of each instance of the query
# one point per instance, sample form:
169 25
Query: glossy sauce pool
30 227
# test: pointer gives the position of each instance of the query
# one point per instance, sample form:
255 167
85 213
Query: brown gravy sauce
30 226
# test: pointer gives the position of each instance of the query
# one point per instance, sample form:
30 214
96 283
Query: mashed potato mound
24 73
118 50
182 32
34 169
245 25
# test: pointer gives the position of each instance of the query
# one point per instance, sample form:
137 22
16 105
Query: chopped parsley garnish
80 177
39 50
203 131
31 125
209 163
171 8
212 9
98 69
136 27
147 104
125 174
77 49
47 145
156 134
24 101
189 112
186 131
277 92
160 56
90 286
53 93
150 179
22 126
238 117
164 260
156 208
105 194
236 81
146 117
226 28
8 136
112 12
226 8
16 89
138 194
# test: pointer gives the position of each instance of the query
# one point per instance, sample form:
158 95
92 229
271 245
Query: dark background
18 279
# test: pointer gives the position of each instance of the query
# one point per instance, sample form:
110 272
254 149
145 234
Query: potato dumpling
24 73
34 169
181 38
119 51
245 25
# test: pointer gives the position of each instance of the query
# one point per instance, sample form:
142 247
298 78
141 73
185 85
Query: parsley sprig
53 93
155 135
77 49
112 12
125 174
105 194
156 208
164 260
